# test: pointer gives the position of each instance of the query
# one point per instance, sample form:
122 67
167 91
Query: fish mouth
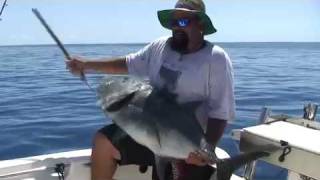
120 102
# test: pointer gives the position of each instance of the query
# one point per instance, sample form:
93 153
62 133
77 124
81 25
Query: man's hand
196 158
76 65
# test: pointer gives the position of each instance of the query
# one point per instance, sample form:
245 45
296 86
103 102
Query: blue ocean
44 109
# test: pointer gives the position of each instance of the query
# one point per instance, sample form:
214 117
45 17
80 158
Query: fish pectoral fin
158 138
119 103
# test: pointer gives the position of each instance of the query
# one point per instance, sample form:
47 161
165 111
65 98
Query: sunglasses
181 22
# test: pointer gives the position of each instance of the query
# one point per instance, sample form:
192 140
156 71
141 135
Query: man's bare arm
77 65
110 66
215 129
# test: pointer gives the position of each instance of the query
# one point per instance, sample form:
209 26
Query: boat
72 165
290 135
296 140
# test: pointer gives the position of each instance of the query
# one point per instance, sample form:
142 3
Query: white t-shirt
205 75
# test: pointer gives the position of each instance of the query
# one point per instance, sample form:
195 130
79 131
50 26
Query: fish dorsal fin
191 106
123 101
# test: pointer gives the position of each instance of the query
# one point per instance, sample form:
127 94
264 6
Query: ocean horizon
144 43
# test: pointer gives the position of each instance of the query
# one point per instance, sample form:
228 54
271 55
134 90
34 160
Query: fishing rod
2 8
58 42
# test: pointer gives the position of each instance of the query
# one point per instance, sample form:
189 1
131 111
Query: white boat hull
77 167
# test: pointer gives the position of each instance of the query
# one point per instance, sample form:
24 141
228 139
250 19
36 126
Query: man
186 65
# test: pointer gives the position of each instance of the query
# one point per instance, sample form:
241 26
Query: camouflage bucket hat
192 6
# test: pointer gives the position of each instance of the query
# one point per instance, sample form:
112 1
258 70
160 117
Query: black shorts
130 151
134 153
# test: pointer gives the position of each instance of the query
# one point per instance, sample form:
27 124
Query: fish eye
125 79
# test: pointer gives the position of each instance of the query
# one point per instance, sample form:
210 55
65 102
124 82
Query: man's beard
179 41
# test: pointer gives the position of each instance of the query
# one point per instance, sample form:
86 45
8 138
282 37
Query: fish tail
225 167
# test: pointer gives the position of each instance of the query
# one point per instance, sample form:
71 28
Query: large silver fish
153 118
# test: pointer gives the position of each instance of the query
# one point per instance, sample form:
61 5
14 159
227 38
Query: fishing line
60 45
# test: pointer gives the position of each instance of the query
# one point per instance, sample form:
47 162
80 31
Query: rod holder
310 111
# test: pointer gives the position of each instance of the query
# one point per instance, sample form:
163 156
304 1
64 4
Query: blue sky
134 21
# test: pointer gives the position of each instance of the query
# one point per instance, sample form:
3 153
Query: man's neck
196 45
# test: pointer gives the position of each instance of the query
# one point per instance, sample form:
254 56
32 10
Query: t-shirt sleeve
221 101
138 62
